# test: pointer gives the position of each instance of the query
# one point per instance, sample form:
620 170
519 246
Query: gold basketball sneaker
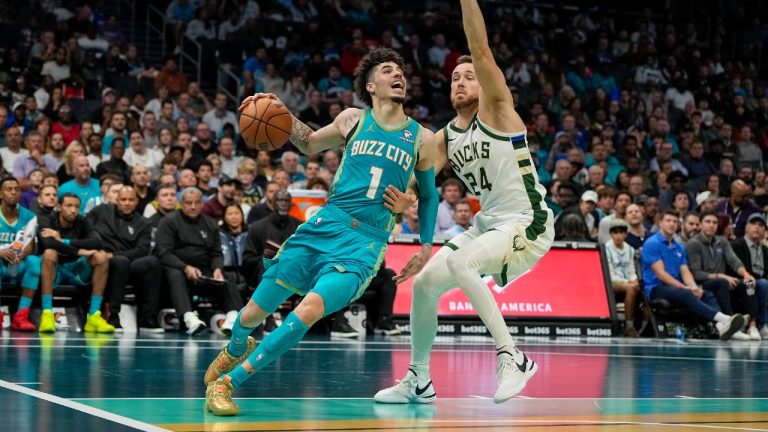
225 362
218 398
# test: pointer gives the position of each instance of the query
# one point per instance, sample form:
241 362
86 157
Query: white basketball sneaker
512 376
411 389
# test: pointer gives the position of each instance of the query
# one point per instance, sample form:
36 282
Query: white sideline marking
82 408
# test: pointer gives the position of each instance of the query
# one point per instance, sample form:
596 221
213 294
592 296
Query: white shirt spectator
97 43
444 217
679 99
196 28
229 166
621 262
9 157
149 159
216 120
42 97
227 27
56 71
649 75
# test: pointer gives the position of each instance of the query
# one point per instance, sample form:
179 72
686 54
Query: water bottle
13 269
680 333
750 287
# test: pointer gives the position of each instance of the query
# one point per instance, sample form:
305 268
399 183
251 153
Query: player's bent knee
252 314
311 309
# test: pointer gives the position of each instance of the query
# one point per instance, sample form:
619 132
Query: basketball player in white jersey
487 147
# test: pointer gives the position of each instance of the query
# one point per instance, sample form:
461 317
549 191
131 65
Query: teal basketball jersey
375 157
24 230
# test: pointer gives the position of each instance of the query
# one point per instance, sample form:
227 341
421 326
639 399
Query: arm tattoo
300 134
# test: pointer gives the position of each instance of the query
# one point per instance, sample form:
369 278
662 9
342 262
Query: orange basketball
265 124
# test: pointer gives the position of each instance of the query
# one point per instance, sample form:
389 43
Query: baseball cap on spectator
177 148
16 105
618 225
589 195
108 90
702 196
226 180
759 217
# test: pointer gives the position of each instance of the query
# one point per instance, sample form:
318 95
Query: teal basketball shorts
330 241
76 272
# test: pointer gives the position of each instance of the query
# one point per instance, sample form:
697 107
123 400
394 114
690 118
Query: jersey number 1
484 183
376 173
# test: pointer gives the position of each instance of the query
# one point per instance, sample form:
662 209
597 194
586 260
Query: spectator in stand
219 115
115 165
95 157
164 203
229 161
233 234
273 82
203 174
125 237
12 150
171 77
36 182
754 255
203 145
691 227
333 85
58 68
709 256
452 192
315 115
331 161
295 96
636 232
622 201
215 206
66 172
117 129
699 168
71 255
109 185
140 180
738 207
33 159
66 126
586 209
289 162
462 218
666 275
749 153
188 245
282 178
139 154
624 280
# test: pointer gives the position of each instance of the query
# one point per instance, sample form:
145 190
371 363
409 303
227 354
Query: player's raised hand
398 201
254 98
415 264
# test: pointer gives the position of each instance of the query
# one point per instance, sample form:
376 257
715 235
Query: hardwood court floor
74 382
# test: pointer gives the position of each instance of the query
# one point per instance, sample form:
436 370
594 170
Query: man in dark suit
754 255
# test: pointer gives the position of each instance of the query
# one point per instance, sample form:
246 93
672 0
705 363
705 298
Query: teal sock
47 301
239 341
25 303
273 346
95 304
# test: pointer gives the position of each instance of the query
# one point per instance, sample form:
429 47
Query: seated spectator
636 232
32 160
233 234
462 218
171 77
263 209
710 256
621 265
12 150
754 255
115 165
691 227
65 172
289 162
666 275
66 125
220 115
215 206
71 255
187 243
229 161
36 182
95 157
117 130
666 153
83 185
452 191
139 154
19 266
140 181
109 185
738 207
586 209
623 200
125 237
203 176
333 85
163 203
572 229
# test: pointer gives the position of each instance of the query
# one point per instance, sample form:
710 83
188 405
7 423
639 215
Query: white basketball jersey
498 169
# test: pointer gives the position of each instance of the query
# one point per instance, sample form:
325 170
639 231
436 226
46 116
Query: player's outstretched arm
496 99
309 141
428 201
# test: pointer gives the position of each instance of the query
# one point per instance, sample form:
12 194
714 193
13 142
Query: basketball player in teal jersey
18 224
487 147
335 254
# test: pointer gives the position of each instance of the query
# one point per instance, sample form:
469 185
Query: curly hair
364 70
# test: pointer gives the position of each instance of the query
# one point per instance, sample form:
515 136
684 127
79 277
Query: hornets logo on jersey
375 158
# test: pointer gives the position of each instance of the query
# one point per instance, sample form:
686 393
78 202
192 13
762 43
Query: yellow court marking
742 421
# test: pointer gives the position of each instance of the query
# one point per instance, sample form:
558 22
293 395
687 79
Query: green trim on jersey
18 216
492 134
539 215
519 144
450 245
504 275
383 127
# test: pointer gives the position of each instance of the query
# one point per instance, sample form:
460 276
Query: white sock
721 317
